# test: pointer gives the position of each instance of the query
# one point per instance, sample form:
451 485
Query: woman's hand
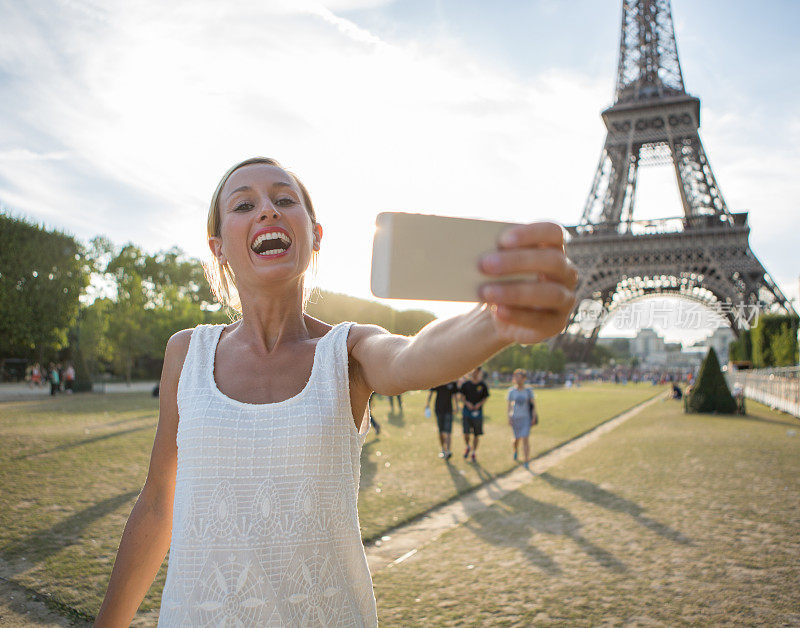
528 312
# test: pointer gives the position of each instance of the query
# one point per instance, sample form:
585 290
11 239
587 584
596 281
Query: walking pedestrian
375 425
258 511
69 378
474 393
443 406
36 375
399 403
55 380
522 415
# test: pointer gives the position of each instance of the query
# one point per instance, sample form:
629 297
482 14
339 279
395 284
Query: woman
69 378
521 415
36 375
261 422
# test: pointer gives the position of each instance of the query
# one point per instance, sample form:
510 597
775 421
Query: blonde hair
220 276
522 372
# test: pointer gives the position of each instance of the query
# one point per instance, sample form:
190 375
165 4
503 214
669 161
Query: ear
317 229
215 244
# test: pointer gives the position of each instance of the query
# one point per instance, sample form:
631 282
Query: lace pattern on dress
265 525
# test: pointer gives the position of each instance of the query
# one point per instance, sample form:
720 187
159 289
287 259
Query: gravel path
19 607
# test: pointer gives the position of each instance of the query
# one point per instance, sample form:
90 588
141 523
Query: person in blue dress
521 415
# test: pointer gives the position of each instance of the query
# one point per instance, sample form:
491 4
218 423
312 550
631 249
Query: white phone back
424 257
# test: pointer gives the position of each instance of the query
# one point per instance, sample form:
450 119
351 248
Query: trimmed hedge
710 392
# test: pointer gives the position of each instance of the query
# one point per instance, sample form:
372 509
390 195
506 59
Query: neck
272 317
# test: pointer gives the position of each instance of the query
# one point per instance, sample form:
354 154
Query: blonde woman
254 473
522 415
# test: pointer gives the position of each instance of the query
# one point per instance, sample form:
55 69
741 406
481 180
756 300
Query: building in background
720 340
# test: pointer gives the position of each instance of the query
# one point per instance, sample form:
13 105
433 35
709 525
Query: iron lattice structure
703 255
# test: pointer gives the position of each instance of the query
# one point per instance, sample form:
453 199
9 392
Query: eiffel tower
703 255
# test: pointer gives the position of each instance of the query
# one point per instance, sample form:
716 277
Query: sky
118 118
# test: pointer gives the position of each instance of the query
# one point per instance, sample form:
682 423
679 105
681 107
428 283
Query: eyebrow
242 188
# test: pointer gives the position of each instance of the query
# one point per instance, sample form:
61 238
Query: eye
285 202
243 206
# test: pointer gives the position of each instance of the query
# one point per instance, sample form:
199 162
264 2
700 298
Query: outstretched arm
523 312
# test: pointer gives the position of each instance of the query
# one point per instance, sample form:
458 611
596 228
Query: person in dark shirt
443 405
474 393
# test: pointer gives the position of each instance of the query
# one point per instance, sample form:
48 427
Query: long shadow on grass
590 492
43 543
513 519
85 441
762 419
461 483
483 474
149 415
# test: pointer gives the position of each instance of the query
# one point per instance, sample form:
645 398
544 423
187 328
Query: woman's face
266 234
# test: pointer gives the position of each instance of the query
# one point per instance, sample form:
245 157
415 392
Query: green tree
784 345
557 361
42 274
126 313
153 296
774 341
90 335
741 349
710 392
539 357
601 355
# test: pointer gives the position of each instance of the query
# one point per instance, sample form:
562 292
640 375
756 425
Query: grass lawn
670 519
71 469
402 477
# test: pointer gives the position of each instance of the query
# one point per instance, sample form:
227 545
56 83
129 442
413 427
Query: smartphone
425 257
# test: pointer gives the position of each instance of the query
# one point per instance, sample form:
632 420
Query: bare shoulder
178 343
175 354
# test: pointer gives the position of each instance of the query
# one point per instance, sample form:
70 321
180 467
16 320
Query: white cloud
161 98
23 154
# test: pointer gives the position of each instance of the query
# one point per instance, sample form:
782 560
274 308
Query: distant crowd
57 375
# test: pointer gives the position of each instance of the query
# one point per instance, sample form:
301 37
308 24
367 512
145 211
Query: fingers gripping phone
425 257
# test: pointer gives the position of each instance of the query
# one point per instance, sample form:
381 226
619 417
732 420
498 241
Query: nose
268 210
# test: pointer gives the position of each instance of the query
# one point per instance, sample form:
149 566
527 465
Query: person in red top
69 378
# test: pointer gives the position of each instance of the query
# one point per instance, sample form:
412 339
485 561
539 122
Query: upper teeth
271 235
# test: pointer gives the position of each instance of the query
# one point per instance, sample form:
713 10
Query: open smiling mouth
271 242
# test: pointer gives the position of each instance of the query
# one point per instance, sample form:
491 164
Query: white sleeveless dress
265 528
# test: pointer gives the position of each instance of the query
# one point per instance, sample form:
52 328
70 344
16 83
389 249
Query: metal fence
778 388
